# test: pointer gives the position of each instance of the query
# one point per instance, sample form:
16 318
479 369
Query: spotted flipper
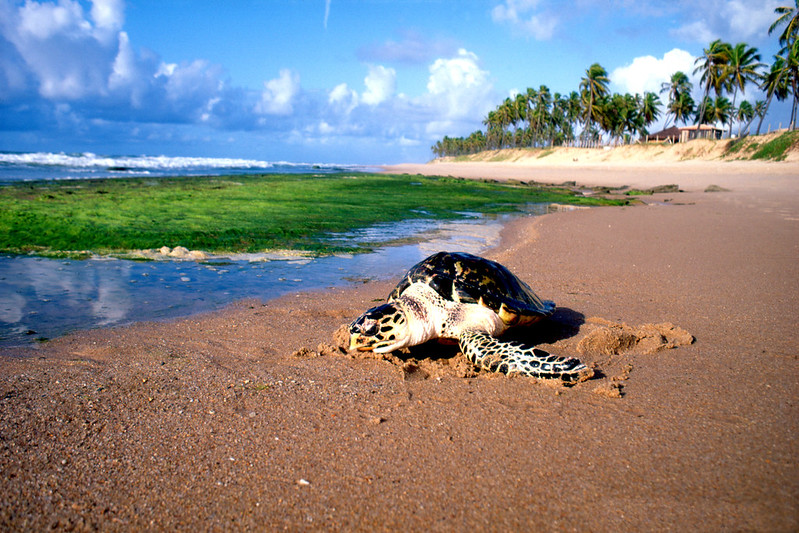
494 355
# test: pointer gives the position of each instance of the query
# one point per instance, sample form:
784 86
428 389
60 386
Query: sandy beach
252 419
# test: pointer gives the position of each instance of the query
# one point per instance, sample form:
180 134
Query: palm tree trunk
587 127
734 97
765 112
746 128
702 108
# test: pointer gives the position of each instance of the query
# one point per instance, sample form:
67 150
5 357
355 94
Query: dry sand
691 176
249 419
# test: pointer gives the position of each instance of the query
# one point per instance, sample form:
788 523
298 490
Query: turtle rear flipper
494 355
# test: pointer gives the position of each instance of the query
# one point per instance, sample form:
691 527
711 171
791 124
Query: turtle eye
369 328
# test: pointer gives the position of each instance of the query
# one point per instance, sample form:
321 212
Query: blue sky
333 81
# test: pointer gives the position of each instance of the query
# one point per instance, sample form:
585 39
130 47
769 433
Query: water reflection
45 298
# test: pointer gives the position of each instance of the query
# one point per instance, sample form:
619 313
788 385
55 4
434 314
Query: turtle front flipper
494 355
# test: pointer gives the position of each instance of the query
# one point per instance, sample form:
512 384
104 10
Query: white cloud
747 18
188 80
522 16
42 21
166 69
697 31
381 82
124 67
208 111
327 11
458 94
278 94
62 51
56 52
413 47
72 68
646 73
458 87
730 20
108 13
342 98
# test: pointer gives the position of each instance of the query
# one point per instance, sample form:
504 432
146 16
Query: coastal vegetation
774 146
591 115
777 148
249 213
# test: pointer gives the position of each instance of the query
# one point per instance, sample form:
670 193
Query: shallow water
44 298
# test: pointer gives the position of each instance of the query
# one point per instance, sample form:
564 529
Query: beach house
677 134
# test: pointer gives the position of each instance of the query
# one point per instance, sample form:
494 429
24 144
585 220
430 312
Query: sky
328 81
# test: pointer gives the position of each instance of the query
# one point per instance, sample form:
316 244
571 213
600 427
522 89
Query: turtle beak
357 344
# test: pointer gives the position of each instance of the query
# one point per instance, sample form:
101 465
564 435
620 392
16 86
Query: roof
702 127
674 132
668 133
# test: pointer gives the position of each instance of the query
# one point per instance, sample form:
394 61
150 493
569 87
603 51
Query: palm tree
792 64
504 117
743 66
574 109
593 87
745 113
677 84
649 109
676 87
477 142
530 97
682 108
704 109
541 105
760 112
712 66
438 148
509 115
560 128
613 115
718 111
492 124
789 16
633 119
775 83
520 108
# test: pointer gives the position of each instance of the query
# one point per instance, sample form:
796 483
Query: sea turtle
465 297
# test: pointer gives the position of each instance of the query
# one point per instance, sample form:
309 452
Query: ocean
30 166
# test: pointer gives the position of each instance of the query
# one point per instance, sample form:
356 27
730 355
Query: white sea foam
49 165
90 160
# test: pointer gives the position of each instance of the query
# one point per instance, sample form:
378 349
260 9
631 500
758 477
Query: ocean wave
31 166
90 160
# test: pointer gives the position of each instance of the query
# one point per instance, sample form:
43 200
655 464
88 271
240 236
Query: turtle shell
469 279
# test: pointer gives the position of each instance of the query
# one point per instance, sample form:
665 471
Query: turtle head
381 329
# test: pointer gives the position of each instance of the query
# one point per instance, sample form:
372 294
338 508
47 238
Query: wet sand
250 419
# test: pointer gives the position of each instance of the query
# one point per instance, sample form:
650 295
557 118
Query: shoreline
272 427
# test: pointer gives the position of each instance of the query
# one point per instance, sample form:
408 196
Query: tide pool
44 298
